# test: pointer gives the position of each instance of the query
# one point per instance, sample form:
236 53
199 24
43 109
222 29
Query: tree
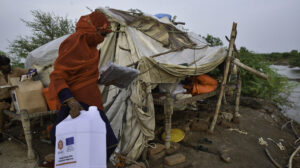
2 52
213 41
45 27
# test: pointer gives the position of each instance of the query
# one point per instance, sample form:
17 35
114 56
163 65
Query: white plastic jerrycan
81 142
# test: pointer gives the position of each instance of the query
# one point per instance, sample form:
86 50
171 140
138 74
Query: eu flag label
70 141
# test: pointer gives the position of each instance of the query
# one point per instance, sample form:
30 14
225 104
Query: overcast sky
263 25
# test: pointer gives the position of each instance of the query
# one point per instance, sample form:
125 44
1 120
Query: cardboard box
28 95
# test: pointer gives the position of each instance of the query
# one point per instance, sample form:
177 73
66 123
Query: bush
295 58
291 58
276 89
273 56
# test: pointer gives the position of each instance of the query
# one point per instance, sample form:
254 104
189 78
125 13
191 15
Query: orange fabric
201 84
76 67
52 104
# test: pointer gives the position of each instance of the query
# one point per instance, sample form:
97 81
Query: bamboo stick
246 67
272 159
290 165
229 55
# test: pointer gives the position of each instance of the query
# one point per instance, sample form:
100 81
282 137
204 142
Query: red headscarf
77 64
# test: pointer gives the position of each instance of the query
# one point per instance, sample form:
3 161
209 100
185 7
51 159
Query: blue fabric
64 94
31 72
161 15
111 140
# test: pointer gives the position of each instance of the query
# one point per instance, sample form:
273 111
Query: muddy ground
243 148
258 119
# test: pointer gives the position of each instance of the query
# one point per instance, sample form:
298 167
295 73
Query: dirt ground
13 155
242 147
13 151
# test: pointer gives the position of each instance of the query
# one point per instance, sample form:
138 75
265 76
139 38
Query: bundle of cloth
200 84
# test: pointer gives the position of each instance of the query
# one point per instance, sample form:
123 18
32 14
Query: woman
73 81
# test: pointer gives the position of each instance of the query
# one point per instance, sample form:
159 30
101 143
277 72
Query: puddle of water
293 74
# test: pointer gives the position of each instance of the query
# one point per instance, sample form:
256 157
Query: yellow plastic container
177 135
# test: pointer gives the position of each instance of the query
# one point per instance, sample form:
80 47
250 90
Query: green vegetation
276 89
213 41
294 58
291 58
2 52
45 27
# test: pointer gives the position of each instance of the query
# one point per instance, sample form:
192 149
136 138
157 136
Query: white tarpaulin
135 39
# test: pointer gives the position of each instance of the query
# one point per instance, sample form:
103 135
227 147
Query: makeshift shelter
161 51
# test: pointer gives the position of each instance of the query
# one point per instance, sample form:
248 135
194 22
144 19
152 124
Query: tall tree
45 27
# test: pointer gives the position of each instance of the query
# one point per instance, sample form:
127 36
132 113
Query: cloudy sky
263 25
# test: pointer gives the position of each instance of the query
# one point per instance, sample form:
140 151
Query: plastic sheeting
131 110
44 55
120 76
138 118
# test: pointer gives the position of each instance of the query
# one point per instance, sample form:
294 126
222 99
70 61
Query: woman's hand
74 106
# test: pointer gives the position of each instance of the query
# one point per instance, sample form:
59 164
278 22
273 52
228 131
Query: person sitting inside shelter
200 84
73 82
6 72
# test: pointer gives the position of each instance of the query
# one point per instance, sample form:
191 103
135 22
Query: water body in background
294 75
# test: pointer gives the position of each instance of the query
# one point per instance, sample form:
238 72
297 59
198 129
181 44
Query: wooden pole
26 126
238 94
229 55
168 110
238 63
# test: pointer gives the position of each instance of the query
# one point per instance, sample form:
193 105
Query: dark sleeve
64 95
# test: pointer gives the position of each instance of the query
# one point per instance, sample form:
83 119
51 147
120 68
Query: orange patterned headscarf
77 63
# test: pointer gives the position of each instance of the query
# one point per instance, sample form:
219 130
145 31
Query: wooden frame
25 117
168 102
224 81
